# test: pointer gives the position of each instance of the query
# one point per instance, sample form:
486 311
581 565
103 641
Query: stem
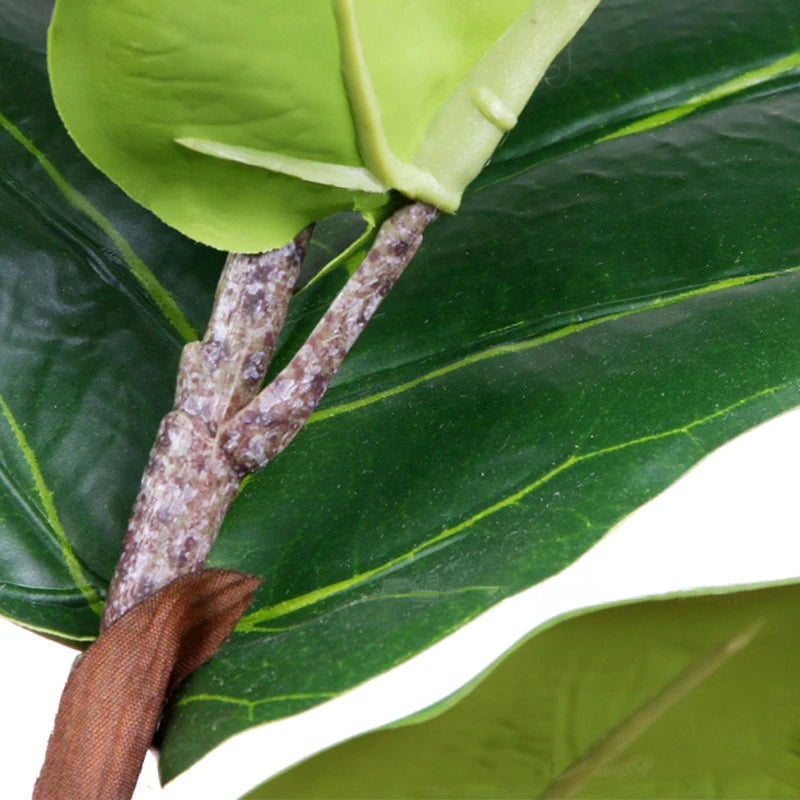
268 423
189 483
221 429
572 780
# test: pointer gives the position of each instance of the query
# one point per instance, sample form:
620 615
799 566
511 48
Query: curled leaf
239 123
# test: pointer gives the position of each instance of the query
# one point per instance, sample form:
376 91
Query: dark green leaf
597 317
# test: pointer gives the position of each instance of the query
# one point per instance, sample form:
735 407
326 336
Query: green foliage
616 297
238 124
732 734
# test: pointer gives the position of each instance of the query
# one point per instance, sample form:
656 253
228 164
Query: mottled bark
267 424
189 482
221 428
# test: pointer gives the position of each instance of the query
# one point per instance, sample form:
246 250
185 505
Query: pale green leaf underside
238 127
660 699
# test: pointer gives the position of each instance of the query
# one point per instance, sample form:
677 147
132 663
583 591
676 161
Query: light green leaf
239 123
673 699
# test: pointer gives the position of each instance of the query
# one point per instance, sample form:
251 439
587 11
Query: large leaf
678 699
616 297
239 127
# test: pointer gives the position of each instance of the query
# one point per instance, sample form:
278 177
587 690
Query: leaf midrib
515 344
89 249
156 293
663 113
250 623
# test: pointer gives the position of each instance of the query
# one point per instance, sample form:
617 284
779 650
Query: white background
731 521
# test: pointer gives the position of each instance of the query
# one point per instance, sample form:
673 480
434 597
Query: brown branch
189 482
268 423
220 429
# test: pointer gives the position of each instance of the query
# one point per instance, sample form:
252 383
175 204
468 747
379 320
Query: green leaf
238 127
609 304
685 698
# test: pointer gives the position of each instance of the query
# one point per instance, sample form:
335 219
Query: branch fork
165 614
223 426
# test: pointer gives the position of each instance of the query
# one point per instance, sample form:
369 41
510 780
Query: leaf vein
537 341
54 526
140 271
249 623
730 88
251 705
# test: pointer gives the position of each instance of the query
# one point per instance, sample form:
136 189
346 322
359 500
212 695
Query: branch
189 484
220 429
268 423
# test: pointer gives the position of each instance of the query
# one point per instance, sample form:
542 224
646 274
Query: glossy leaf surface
696 722
597 317
239 124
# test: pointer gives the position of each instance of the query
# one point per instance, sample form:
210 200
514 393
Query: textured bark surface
267 424
221 428
189 481
160 623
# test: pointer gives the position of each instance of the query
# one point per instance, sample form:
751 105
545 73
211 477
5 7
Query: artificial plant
114 68
503 459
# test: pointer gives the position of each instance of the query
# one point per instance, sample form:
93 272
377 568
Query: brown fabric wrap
116 692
